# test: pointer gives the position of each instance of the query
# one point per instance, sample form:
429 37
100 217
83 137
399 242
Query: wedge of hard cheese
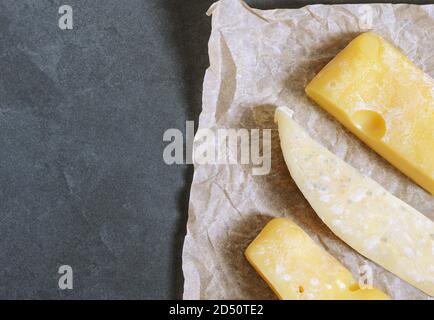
357 209
383 98
295 267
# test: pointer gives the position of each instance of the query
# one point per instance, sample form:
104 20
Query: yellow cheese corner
383 98
296 268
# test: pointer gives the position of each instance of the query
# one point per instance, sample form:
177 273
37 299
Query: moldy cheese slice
383 98
357 209
296 268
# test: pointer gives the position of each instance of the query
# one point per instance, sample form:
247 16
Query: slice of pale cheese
357 209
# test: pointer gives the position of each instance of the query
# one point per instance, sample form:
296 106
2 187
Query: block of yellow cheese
357 209
383 98
296 268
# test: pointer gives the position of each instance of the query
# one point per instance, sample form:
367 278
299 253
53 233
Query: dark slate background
82 115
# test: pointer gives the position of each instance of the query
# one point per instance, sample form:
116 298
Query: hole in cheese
370 122
300 289
354 287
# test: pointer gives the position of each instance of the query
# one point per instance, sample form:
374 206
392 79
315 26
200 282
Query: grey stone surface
82 115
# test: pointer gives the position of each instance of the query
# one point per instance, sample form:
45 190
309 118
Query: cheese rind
383 98
296 268
358 210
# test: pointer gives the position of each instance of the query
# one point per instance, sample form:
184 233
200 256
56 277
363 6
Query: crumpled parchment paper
260 59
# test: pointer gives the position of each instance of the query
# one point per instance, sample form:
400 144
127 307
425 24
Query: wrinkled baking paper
260 60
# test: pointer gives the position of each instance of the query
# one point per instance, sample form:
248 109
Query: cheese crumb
337 209
325 198
372 243
286 277
279 269
358 196
337 222
341 284
408 251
